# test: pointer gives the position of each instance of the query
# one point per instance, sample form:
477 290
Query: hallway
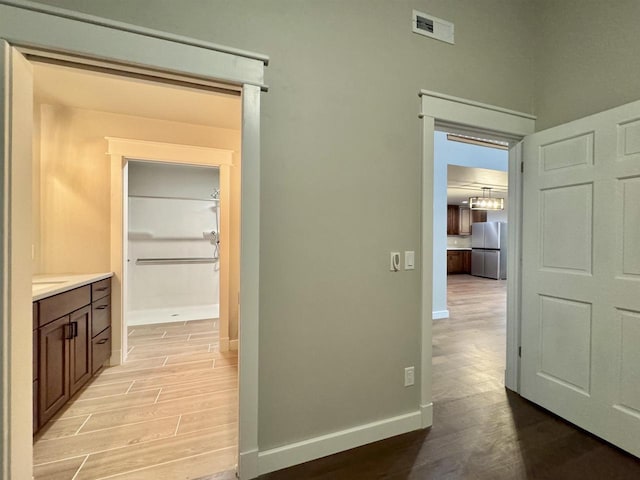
480 430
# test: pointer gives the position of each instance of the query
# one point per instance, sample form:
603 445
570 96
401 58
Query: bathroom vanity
71 337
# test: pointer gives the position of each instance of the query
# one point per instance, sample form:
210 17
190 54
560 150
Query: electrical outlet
409 376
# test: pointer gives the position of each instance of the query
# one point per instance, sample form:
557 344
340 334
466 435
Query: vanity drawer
101 349
100 289
100 315
60 305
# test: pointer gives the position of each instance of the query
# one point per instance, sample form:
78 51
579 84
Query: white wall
168 214
72 231
586 58
498 215
464 155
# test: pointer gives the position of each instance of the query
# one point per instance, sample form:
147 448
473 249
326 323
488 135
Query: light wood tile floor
169 412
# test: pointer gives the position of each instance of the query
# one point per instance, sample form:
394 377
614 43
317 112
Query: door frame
458 115
33 29
122 150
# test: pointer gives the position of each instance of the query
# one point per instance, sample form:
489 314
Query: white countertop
47 285
458 248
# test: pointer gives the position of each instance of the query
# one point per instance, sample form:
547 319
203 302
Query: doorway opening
173 261
466 117
469 290
174 212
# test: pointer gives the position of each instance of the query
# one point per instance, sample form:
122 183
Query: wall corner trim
427 415
248 465
317 447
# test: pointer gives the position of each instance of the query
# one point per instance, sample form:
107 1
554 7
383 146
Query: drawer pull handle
102 307
102 289
104 340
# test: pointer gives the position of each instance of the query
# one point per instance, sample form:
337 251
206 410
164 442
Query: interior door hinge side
521 167
520 352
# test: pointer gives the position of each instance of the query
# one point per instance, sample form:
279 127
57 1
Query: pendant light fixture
486 202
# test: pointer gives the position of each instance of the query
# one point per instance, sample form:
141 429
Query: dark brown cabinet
458 261
54 367
453 220
466 262
478 216
80 349
459 219
34 375
72 341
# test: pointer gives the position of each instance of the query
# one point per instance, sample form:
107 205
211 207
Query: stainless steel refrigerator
489 250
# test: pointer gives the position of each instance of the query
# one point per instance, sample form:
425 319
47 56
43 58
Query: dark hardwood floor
480 431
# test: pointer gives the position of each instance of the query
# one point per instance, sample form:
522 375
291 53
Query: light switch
409 260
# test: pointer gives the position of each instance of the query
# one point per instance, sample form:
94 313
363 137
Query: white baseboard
439 314
224 344
233 344
426 413
300 452
248 465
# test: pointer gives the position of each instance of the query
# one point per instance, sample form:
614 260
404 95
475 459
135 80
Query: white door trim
440 111
55 32
121 151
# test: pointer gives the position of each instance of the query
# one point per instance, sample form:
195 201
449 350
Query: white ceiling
465 182
72 87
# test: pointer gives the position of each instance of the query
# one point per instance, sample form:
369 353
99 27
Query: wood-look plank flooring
480 430
169 412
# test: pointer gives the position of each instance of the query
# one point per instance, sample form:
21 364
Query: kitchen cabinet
466 261
478 216
465 221
458 261
70 346
453 220
459 219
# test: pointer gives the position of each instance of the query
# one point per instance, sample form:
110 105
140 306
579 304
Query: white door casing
459 115
581 273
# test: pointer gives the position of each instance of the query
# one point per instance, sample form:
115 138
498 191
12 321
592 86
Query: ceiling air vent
433 27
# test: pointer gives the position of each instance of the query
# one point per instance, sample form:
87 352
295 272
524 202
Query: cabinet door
465 221
466 261
80 349
53 376
453 222
454 262
478 216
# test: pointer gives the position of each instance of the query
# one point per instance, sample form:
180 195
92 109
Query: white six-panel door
581 273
